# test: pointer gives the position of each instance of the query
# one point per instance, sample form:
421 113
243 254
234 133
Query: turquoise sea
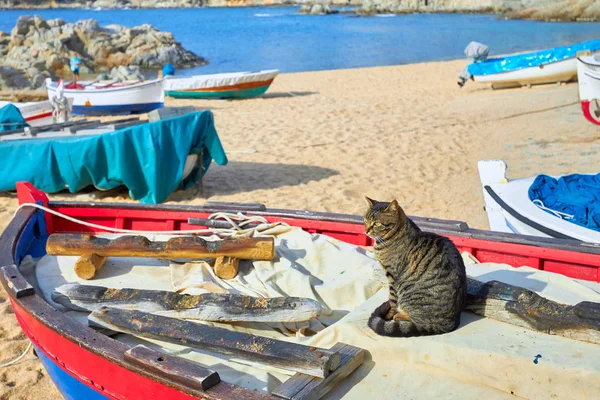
253 38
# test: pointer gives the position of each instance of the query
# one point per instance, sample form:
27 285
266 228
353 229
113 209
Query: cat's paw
390 314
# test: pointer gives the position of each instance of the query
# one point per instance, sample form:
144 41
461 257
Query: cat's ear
394 208
369 201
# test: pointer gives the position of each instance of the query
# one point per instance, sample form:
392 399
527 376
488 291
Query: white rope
18 358
237 228
558 214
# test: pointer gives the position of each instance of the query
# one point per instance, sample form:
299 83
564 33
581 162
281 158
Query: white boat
36 113
558 64
588 71
237 85
509 208
111 97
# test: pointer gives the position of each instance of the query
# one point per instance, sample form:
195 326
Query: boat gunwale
53 86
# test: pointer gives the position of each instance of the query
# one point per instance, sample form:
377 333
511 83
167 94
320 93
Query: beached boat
87 364
545 66
510 207
111 97
150 159
238 85
36 113
588 72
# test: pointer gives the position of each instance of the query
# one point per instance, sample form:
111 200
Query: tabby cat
428 282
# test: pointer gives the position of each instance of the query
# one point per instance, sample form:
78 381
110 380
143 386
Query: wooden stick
307 360
205 307
525 308
180 247
226 267
307 387
87 265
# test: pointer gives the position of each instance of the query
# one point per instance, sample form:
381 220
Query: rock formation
37 49
565 10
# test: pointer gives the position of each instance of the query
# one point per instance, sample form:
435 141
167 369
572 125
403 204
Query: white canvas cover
482 359
217 80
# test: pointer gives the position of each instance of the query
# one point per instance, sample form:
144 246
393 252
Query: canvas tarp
11 118
482 359
217 80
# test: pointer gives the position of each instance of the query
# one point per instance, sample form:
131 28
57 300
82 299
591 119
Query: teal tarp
148 159
11 118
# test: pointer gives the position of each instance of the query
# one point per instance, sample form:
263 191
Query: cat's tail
391 328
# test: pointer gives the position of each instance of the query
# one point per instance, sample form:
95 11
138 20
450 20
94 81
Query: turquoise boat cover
534 59
148 158
11 118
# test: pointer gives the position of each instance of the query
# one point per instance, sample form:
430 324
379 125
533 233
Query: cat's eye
378 224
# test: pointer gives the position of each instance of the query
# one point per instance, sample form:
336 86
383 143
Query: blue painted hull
121 109
68 386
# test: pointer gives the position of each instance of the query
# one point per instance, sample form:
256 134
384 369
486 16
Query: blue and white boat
545 66
111 97
563 207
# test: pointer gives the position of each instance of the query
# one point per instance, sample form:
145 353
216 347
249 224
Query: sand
322 140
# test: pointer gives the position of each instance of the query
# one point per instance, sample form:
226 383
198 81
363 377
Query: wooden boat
37 113
86 364
510 209
150 159
588 71
112 98
238 85
545 66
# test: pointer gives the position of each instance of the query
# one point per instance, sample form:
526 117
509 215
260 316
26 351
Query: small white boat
111 97
35 113
237 85
510 209
545 66
588 71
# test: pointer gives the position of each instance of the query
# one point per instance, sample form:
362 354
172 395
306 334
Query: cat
426 274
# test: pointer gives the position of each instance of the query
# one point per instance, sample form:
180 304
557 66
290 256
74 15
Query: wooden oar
205 307
525 308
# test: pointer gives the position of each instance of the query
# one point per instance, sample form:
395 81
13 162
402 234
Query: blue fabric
11 118
148 159
168 70
75 63
578 195
534 59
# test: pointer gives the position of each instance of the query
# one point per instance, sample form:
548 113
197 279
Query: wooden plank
206 307
170 112
302 386
261 248
295 357
177 369
16 283
525 308
224 205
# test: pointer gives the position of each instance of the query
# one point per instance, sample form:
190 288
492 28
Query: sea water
255 38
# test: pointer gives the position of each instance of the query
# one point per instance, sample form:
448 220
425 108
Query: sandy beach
322 140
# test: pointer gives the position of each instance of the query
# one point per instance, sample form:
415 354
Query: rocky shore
37 49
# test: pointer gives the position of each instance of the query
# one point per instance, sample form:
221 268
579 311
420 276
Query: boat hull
86 364
560 71
510 209
239 85
588 71
132 99
216 94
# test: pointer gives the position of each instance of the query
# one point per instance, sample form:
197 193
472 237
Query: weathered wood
226 267
295 357
306 387
194 247
180 370
16 283
525 308
169 112
87 265
206 307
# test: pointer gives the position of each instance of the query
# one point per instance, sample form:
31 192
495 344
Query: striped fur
428 282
